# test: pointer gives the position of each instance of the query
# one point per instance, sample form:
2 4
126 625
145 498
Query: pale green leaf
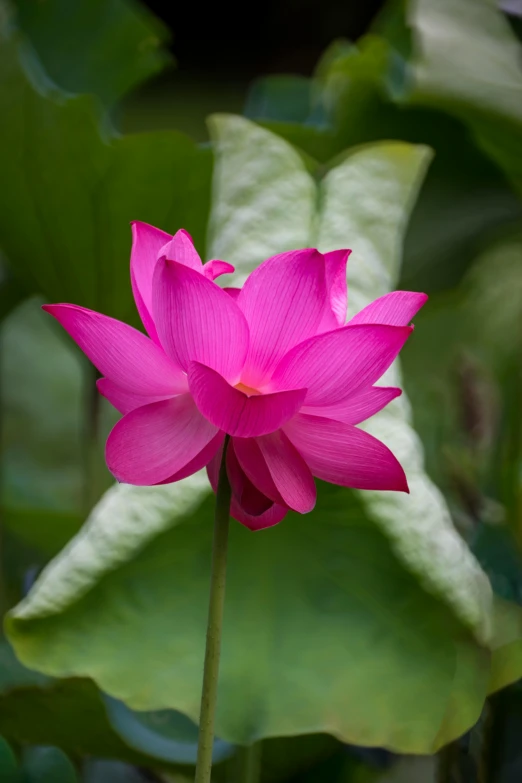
263 197
366 202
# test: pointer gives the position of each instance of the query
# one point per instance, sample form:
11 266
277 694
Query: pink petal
342 454
283 301
289 471
213 269
247 495
146 244
233 292
268 518
359 407
124 401
201 460
197 321
120 352
180 248
254 465
332 366
395 309
154 442
335 269
233 411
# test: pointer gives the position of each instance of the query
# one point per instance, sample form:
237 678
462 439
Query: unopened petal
395 309
254 465
272 516
233 411
154 442
120 353
180 248
342 454
249 497
332 366
283 301
197 321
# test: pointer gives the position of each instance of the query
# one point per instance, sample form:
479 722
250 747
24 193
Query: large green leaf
105 47
378 640
70 188
264 200
467 60
358 618
70 714
366 201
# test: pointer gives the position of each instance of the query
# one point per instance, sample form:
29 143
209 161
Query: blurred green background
103 107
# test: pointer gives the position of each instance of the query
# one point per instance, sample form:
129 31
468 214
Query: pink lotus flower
273 365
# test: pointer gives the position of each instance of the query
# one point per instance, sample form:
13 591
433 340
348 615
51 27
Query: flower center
248 390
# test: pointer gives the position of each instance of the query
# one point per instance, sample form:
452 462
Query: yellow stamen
248 390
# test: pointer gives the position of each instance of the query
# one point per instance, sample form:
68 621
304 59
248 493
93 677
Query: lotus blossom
273 365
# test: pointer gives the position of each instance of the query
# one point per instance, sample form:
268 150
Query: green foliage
105 47
62 169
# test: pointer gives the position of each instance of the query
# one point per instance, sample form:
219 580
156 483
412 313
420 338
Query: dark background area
227 39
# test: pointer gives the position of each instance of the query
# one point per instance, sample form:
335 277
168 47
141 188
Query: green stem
215 624
249 764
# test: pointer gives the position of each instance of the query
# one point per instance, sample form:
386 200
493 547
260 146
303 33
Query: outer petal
120 352
359 407
146 244
283 301
335 269
395 309
197 321
268 518
342 454
201 460
152 443
289 471
125 401
232 411
213 269
332 366
180 248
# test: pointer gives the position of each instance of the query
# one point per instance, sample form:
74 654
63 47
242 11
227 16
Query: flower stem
249 764
215 624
